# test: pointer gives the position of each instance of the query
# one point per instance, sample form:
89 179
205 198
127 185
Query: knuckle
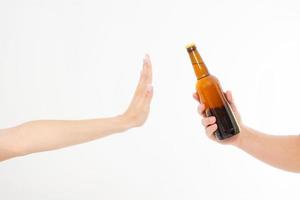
214 127
212 119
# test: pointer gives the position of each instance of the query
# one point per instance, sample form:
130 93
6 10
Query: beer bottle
211 95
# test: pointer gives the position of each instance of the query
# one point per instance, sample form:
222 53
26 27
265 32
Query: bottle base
225 135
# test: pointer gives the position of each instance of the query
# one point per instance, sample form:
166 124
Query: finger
143 73
142 84
146 75
196 97
147 71
207 121
201 110
210 130
148 97
138 94
148 68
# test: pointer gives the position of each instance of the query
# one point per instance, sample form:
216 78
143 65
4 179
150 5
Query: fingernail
147 58
149 88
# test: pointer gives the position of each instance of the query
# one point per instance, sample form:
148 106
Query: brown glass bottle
211 95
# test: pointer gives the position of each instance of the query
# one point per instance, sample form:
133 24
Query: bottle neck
198 64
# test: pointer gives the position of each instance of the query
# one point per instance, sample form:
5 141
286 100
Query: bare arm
44 135
279 151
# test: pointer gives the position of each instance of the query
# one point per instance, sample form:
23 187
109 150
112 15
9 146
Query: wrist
241 136
123 122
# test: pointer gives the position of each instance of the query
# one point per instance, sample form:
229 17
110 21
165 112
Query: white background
81 59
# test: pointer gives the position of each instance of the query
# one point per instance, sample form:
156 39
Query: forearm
279 151
44 135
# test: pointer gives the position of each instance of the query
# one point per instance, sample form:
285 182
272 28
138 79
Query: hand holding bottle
210 125
281 151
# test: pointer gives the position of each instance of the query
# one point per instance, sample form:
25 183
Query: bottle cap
190 45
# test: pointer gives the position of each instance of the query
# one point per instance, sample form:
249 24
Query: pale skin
45 135
282 152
